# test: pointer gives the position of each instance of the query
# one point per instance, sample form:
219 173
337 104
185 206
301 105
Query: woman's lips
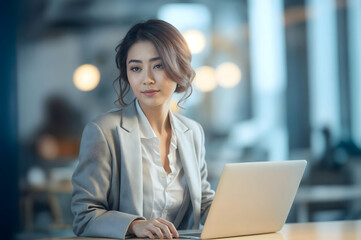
150 93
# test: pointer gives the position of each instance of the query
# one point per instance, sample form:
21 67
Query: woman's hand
149 228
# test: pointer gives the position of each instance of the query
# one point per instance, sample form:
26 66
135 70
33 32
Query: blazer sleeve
91 185
207 192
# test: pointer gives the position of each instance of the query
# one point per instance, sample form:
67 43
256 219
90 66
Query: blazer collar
178 125
129 120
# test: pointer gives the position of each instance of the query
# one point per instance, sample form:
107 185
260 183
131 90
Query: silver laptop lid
253 198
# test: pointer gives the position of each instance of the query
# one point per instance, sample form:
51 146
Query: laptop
251 198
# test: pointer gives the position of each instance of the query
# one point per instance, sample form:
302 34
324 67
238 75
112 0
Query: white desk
342 230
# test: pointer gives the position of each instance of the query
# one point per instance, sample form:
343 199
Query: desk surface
342 230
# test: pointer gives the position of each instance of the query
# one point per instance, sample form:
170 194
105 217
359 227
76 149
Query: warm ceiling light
205 79
196 41
86 77
228 75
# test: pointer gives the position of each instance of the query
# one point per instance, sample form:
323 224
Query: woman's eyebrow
140 61
134 60
154 59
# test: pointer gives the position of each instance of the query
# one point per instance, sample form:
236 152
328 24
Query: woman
141 168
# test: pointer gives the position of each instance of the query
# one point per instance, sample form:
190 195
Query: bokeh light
228 75
205 80
86 77
196 41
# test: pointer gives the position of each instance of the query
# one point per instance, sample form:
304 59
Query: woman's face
147 77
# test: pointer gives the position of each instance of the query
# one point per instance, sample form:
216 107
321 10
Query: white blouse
163 194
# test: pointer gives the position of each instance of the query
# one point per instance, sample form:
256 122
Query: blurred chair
45 193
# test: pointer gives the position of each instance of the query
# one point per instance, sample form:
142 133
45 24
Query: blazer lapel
131 173
190 165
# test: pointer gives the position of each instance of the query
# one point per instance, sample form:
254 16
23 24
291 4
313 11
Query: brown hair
172 49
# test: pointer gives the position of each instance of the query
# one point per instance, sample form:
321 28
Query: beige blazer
108 184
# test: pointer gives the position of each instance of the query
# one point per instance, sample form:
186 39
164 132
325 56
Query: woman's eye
158 66
135 69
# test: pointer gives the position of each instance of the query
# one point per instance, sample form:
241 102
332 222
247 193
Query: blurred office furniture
46 192
332 189
46 184
323 194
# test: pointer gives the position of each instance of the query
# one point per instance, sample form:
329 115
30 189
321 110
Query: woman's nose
149 78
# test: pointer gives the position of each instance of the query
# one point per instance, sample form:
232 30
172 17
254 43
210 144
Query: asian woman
142 168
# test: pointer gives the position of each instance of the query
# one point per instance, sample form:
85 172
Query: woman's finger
148 234
170 226
156 230
164 228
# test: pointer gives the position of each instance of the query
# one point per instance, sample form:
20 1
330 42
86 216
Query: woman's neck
158 118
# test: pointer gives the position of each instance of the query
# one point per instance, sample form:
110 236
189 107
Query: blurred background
276 80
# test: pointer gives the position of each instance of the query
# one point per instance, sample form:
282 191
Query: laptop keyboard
190 234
